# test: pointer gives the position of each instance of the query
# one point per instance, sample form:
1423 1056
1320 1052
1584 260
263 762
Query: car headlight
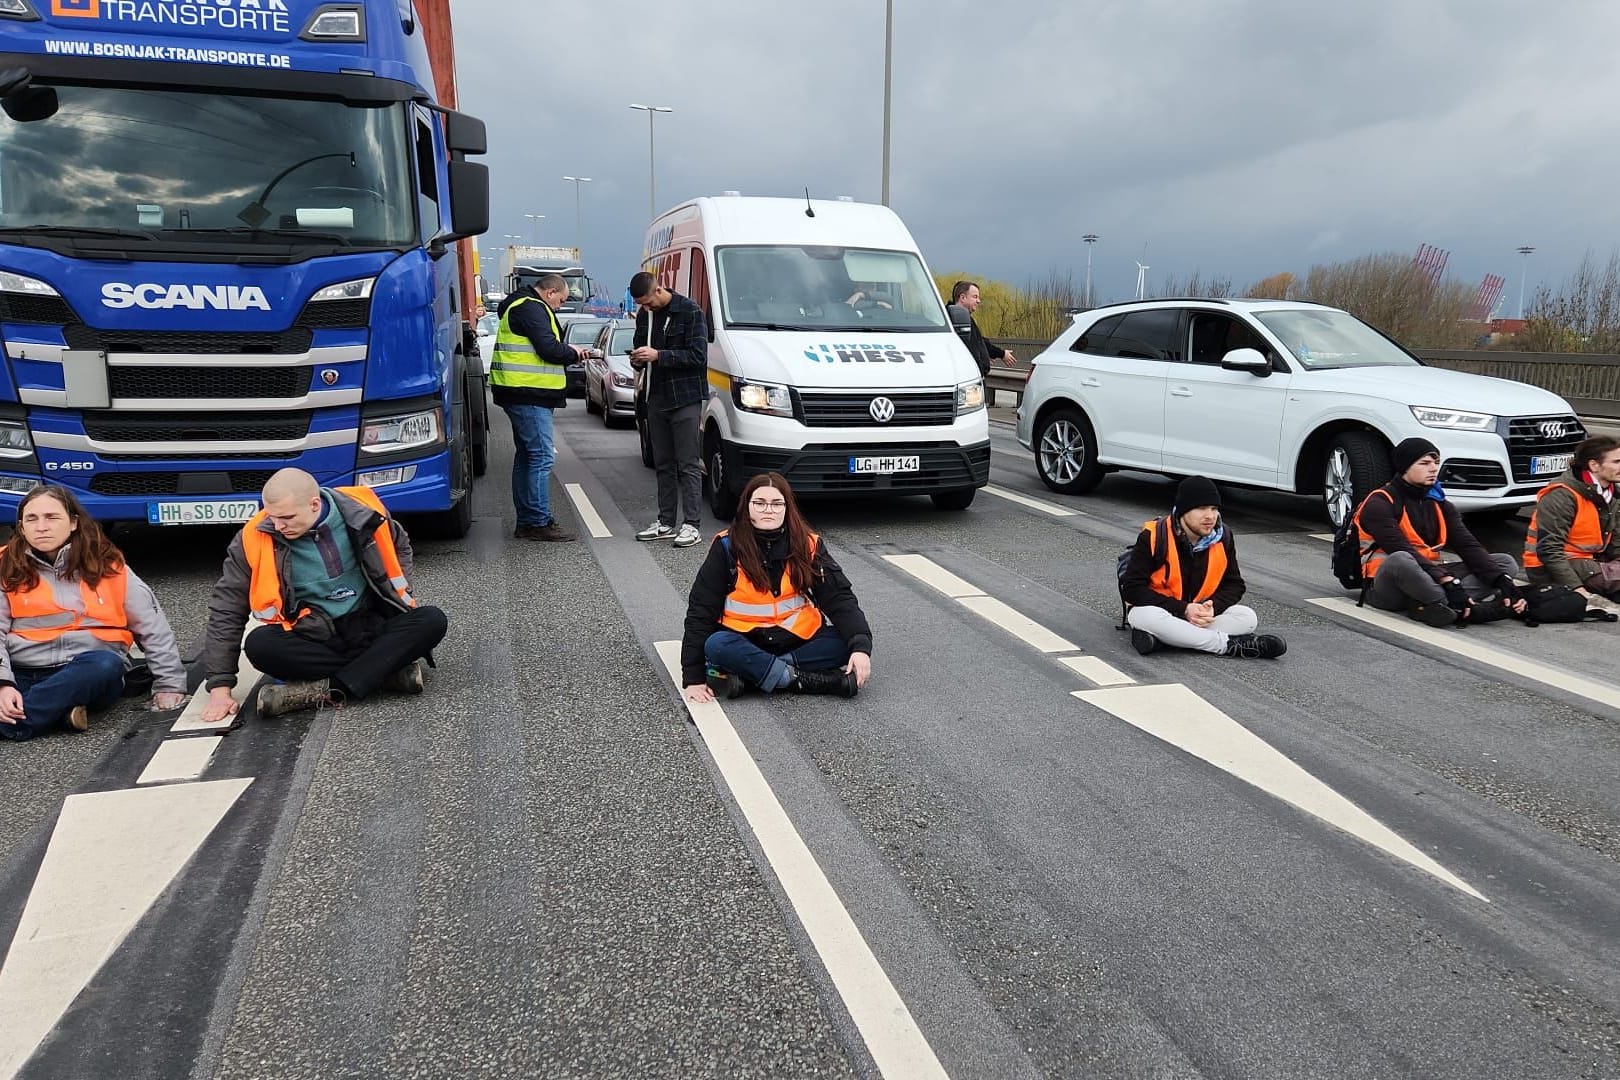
1453 419
626 381
358 289
406 431
14 440
969 396
17 283
767 398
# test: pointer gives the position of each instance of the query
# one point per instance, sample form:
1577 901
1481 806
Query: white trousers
1178 632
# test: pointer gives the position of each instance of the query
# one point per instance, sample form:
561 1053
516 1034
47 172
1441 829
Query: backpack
1558 603
1347 549
1124 563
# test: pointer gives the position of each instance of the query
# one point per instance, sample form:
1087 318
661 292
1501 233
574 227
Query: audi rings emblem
329 376
1553 429
882 409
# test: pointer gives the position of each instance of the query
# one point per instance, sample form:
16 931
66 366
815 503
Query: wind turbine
1141 275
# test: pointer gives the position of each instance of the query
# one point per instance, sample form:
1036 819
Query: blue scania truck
229 244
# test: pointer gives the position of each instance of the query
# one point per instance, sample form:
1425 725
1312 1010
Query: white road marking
891 1034
179 759
112 854
1096 670
1321 536
1466 643
930 572
247 677
1017 624
1034 504
1181 718
587 511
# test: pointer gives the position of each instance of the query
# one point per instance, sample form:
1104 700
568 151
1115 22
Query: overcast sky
1233 137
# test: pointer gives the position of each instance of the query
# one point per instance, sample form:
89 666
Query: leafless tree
1393 293
1581 315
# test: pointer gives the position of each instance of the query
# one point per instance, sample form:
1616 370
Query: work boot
1143 642
279 698
1435 615
78 718
408 679
526 532
553 532
726 687
1256 646
831 681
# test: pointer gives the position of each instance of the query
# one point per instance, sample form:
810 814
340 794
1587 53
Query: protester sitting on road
70 610
771 608
1573 538
1182 585
327 569
1404 528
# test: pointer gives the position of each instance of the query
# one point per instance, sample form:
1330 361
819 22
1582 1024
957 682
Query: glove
1456 596
1507 588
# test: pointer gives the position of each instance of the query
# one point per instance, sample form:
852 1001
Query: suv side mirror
1251 360
961 318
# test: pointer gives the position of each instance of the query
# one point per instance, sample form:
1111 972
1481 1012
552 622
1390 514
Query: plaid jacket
680 375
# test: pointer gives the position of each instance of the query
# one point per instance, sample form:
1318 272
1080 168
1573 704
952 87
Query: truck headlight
768 398
14 440
969 396
1453 419
358 289
17 283
402 432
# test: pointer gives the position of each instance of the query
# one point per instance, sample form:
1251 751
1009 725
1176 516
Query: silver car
486 328
610 384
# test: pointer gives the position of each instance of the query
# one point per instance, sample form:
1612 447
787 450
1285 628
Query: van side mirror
961 318
1251 360
469 200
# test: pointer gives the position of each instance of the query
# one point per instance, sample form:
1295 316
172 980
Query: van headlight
402 432
1453 419
768 398
969 396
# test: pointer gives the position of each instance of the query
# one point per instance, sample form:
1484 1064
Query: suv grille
1528 436
198 427
855 410
179 382
238 482
29 308
199 343
1466 473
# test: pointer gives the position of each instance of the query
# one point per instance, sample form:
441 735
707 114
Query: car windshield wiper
253 234
80 230
772 326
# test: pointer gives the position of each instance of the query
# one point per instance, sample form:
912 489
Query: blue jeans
531 463
95 679
734 654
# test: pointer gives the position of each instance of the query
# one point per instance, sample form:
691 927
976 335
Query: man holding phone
672 342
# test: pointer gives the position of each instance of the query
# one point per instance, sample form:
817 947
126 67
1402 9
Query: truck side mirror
469 200
465 134
961 318
22 101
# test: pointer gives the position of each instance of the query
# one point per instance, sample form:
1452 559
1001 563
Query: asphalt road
1384 855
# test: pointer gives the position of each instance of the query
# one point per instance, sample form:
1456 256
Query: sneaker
279 698
78 718
657 531
688 536
408 679
554 533
726 687
1256 646
1143 642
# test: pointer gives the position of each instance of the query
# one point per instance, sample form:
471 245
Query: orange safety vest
1372 556
748 607
1586 539
36 616
1166 580
264 591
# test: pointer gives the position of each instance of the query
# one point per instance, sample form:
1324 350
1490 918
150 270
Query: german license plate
882 466
1549 463
201 513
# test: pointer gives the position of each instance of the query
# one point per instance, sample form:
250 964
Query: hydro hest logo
153 297
860 354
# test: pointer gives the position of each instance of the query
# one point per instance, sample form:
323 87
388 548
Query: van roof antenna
809 211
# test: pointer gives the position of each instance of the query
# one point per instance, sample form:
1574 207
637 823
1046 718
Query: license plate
1549 463
885 465
201 513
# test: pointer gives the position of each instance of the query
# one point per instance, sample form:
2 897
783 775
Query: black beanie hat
1196 491
1405 455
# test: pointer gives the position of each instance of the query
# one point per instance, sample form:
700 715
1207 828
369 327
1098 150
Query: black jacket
532 322
680 333
1145 562
982 348
831 593
1381 518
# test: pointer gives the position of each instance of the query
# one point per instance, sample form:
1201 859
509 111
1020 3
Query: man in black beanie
1406 527
1181 584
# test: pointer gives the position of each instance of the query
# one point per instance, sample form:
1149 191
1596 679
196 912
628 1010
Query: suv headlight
358 289
16 283
14 440
768 398
402 432
969 396
1453 419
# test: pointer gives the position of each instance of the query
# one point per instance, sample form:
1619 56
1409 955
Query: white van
831 359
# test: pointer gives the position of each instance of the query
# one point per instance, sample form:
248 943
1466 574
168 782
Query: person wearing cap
1181 583
1407 527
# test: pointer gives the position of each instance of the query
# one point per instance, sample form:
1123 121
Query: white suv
1278 394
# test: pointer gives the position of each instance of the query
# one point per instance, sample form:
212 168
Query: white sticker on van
863 353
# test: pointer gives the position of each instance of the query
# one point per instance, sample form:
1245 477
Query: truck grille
335 315
196 427
28 308
1528 437
195 342
855 409
211 382
236 482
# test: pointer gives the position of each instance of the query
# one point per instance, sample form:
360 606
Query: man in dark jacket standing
528 376
1406 526
985 352
1182 584
1574 536
672 342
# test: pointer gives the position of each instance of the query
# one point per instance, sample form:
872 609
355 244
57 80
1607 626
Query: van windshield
787 287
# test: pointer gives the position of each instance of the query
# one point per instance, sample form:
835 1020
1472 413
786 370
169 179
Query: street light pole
1524 264
1090 239
533 218
652 176
888 84
579 226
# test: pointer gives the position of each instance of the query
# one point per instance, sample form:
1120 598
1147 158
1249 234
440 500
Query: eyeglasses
761 504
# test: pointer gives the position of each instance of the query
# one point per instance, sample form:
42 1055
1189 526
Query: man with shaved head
327 571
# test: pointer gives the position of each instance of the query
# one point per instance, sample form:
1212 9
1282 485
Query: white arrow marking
1181 718
112 854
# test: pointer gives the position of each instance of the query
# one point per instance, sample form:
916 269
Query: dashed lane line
1176 715
1034 504
1017 624
1321 536
896 1044
111 855
587 511
1096 670
247 677
930 572
1466 643
178 759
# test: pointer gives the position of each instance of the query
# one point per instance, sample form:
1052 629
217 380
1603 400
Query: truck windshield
827 288
1333 339
159 164
579 286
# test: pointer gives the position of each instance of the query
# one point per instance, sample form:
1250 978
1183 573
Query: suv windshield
162 163
1333 339
825 288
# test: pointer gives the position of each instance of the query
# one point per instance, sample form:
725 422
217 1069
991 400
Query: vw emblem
1553 429
882 410
329 376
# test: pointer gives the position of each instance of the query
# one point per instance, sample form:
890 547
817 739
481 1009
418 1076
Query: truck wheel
478 425
1066 452
1357 462
456 522
717 486
960 499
